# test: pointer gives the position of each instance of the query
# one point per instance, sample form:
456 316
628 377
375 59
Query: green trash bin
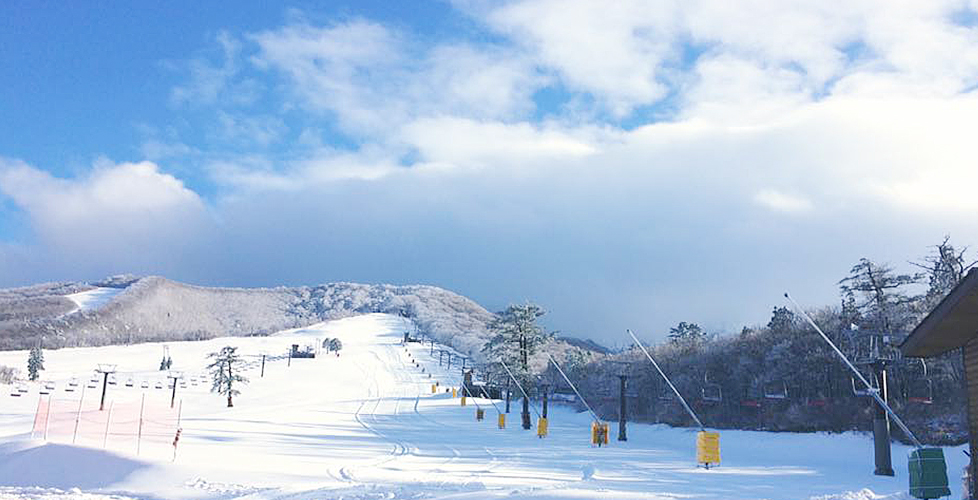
928 473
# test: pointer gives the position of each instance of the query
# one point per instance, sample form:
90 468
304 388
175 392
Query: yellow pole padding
480 414
708 448
454 395
599 433
542 427
502 421
463 400
434 388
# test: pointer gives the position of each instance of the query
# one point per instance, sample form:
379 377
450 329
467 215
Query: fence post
139 435
37 415
105 436
74 435
47 418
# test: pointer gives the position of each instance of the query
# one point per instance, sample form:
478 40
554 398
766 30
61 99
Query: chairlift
129 382
159 385
775 390
144 385
16 392
46 387
22 388
711 392
921 391
859 390
73 382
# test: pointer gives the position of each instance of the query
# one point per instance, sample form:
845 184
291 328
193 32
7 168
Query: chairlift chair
776 390
129 382
22 388
921 391
859 390
711 392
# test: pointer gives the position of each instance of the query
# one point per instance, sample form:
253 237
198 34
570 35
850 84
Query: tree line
777 376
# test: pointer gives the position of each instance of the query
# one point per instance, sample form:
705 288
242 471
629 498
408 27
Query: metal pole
872 391
595 415
173 396
518 385
674 390
881 429
621 412
262 366
105 384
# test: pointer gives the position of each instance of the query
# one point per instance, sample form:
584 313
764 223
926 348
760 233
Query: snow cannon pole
520 386
872 391
593 415
669 382
465 391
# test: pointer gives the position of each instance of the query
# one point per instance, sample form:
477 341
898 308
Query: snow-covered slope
94 298
366 425
131 310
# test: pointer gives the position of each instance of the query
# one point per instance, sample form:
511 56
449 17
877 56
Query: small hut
953 324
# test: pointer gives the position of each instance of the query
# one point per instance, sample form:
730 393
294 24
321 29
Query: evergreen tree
224 376
169 362
335 345
163 364
35 362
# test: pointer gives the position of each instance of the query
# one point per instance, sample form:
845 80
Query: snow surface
93 299
365 425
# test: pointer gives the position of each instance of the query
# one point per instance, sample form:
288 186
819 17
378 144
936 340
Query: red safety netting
144 426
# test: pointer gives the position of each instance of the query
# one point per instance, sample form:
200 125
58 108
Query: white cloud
129 209
782 202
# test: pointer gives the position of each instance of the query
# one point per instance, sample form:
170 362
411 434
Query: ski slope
365 425
93 299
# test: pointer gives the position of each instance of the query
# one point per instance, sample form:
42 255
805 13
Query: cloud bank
632 166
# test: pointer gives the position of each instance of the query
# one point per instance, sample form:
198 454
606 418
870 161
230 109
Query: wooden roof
950 325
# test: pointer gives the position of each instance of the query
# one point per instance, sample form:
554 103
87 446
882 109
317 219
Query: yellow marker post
480 414
501 421
708 448
463 400
434 388
542 427
454 394
599 434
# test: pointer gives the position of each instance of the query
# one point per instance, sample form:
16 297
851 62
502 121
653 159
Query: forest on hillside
782 376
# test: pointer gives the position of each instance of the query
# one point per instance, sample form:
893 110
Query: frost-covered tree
222 372
943 269
35 362
879 296
687 335
515 338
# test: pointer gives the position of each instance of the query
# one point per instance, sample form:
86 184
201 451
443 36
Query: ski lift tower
105 369
875 351
624 369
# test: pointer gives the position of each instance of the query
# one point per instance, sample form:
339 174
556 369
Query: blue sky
626 166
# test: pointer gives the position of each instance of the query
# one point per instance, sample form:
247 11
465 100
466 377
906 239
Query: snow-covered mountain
122 310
